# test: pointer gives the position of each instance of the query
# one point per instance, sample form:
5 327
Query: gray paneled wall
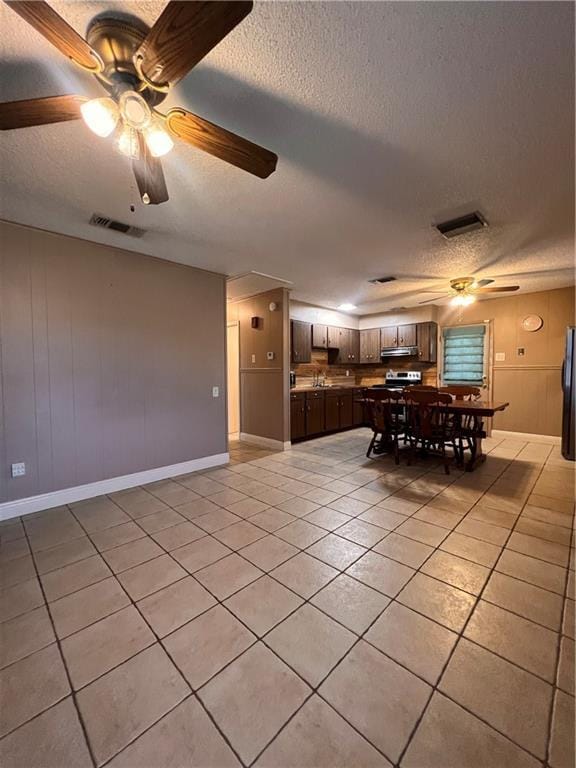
108 359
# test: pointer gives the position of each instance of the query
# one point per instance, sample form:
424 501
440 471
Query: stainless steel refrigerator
569 391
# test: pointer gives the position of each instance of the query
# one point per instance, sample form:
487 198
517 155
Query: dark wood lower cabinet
314 415
317 412
346 410
297 415
332 412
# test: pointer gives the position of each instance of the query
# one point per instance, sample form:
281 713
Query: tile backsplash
360 375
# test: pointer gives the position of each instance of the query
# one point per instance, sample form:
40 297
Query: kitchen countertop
328 388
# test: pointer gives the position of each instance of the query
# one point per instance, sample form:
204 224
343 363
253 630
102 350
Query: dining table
475 411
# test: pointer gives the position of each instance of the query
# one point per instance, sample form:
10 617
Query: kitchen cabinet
389 336
320 336
348 346
339 410
399 335
300 341
358 415
370 346
297 415
332 411
346 410
332 337
317 411
427 342
314 413
407 335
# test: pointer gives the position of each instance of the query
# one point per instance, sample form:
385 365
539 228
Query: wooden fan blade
500 289
45 20
149 175
53 109
221 143
482 283
429 301
184 33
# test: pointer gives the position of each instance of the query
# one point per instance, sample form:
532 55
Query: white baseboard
526 436
31 504
265 442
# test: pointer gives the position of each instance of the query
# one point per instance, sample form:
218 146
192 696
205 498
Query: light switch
269 355
215 391
253 358
19 469
521 351
499 357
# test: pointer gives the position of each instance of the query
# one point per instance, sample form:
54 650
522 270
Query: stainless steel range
401 379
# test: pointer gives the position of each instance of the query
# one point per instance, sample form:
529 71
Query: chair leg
446 459
396 451
369 451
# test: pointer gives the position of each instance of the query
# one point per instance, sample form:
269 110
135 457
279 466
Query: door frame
488 377
230 389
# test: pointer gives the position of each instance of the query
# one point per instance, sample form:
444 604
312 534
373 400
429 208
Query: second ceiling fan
138 66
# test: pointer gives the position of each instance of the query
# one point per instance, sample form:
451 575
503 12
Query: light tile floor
311 609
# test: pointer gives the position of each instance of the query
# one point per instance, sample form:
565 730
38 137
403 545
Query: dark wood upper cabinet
370 346
389 336
427 341
407 335
348 346
320 336
333 337
300 341
354 345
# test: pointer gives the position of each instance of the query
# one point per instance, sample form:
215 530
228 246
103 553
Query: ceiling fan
137 66
464 290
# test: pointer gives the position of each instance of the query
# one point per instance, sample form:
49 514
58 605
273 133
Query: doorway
233 368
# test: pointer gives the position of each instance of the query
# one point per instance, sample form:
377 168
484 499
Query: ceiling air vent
117 226
382 280
462 225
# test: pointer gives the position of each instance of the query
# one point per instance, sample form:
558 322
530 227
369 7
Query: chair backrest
462 392
427 413
385 412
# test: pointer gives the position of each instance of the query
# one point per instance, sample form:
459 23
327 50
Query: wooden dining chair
387 422
466 426
430 423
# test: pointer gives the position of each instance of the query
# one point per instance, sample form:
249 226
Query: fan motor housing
116 40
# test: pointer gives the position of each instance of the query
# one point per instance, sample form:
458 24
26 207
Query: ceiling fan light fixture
134 110
128 142
100 115
157 139
463 300
346 307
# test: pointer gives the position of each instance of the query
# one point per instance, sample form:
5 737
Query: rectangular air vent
382 280
97 220
462 225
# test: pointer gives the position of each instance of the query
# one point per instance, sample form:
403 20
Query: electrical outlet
499 357
19 469
269 355
521 351
215 391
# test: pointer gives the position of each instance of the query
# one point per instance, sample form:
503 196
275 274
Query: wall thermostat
272 306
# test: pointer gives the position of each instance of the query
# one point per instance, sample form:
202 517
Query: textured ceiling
386 117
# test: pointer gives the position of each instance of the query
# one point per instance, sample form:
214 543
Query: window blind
464 354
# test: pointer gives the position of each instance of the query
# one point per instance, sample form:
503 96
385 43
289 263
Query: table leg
477 456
